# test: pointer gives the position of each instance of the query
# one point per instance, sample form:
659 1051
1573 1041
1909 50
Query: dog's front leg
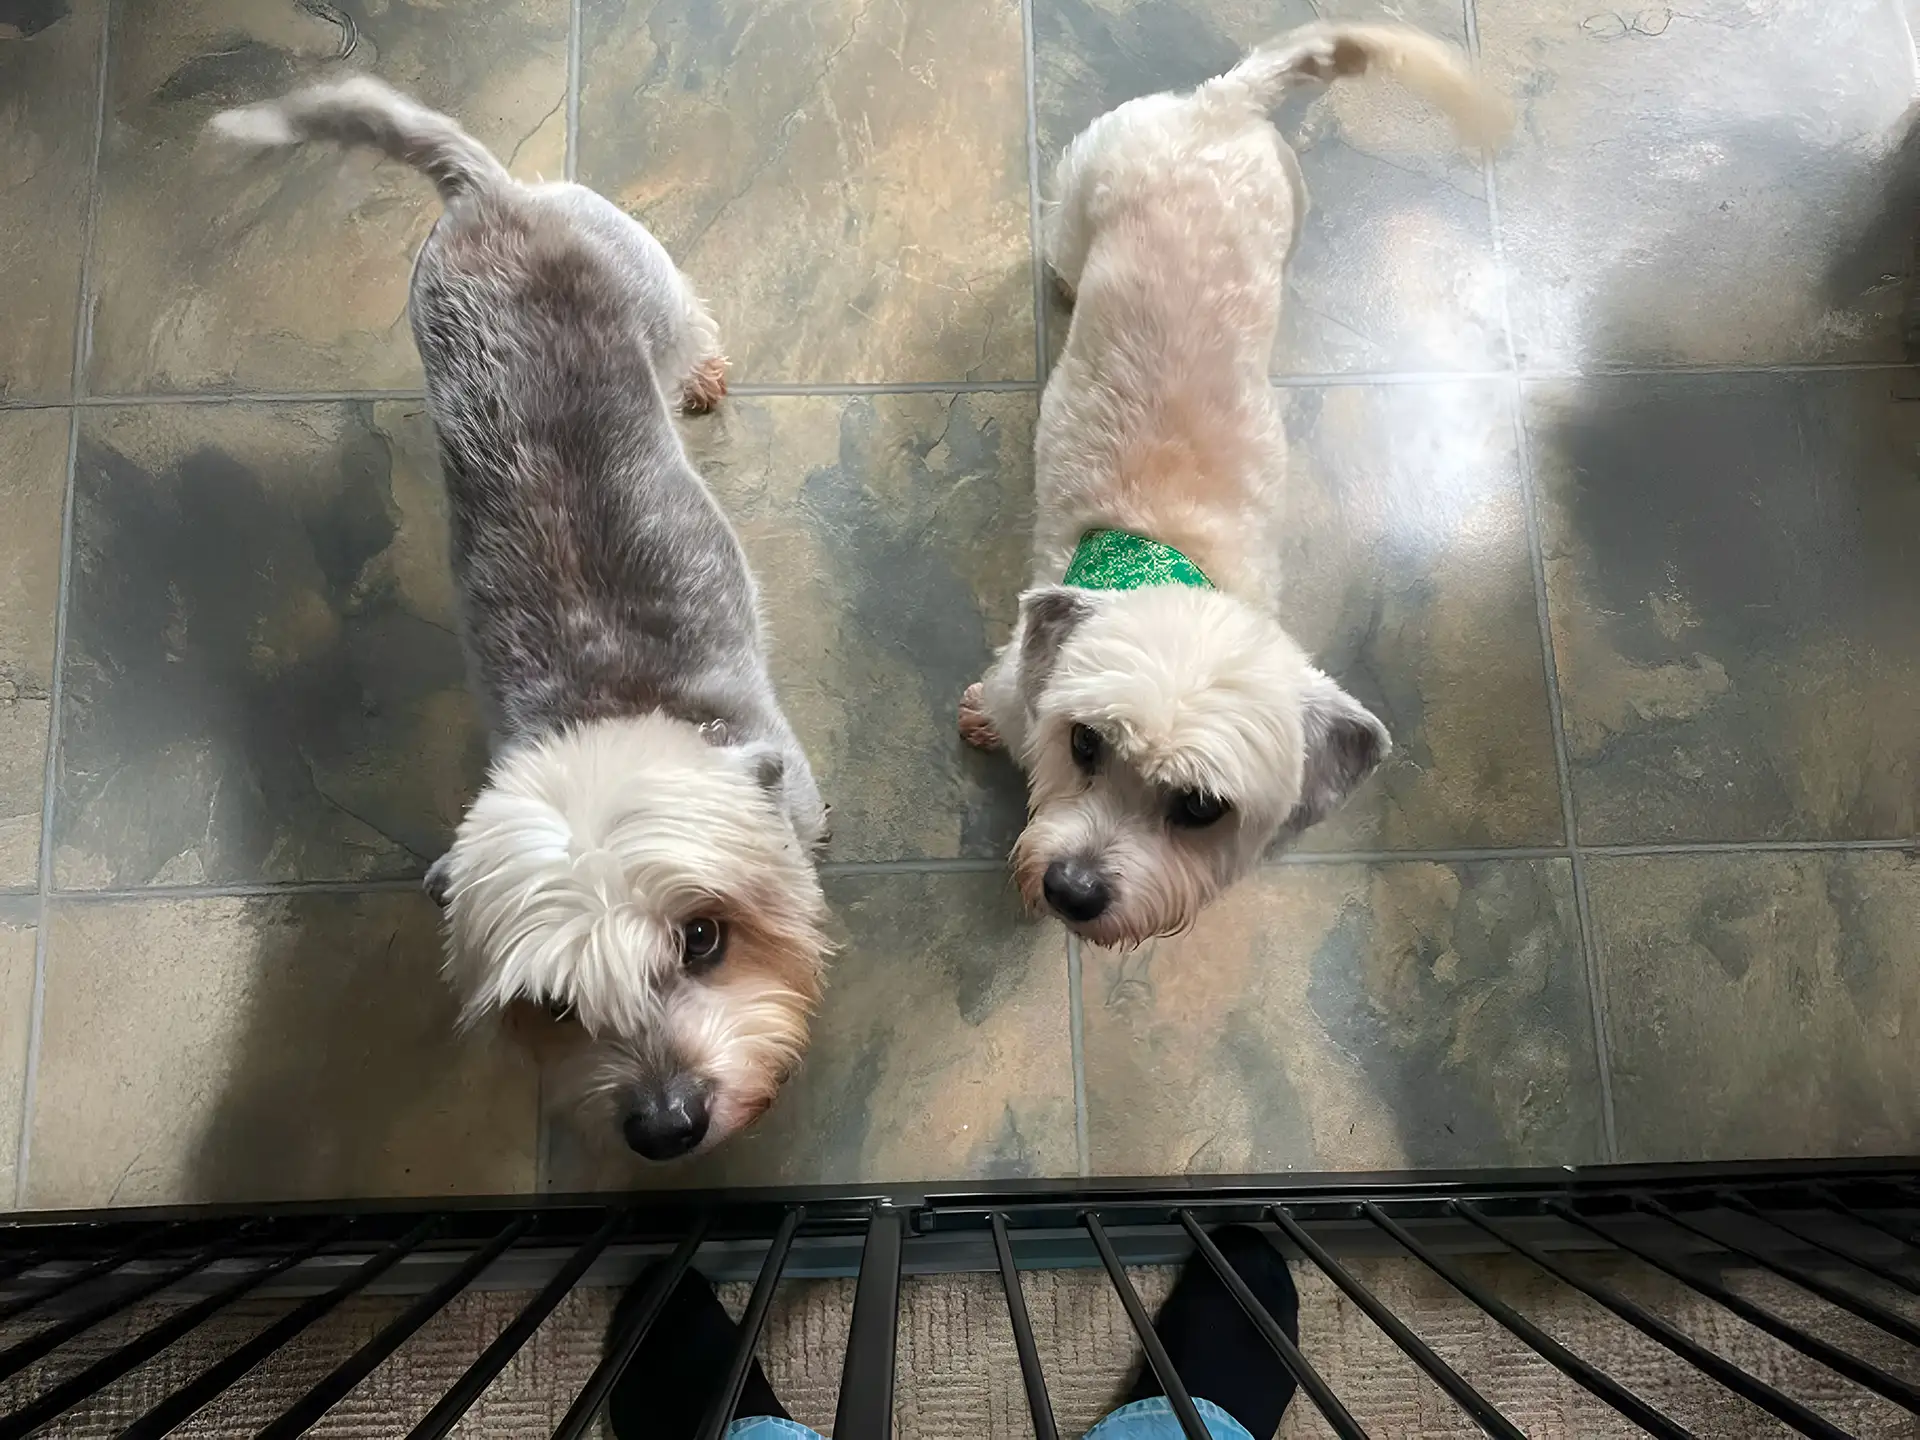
976 725
439 880
992 714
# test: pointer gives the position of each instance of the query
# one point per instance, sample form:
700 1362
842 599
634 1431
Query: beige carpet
958 1377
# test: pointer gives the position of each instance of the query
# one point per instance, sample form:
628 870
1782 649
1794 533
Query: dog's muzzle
1076 891
668 1121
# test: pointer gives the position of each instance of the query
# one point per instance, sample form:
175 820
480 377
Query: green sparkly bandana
1115 560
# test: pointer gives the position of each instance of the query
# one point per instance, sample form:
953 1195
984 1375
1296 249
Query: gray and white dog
639 863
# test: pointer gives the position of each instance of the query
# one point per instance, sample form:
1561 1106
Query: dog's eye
702 943
559 1009
1087 744
1195 809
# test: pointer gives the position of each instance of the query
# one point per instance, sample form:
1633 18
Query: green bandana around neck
1116 560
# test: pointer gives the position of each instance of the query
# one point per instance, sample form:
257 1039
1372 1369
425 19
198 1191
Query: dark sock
1215 1350
681 1365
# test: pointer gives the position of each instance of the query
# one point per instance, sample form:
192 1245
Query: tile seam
82 348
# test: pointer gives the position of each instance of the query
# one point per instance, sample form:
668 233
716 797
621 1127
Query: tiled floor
1637 388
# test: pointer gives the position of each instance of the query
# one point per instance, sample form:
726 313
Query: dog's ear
1047 617
1344 744
765 763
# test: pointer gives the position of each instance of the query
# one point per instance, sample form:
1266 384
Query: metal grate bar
329 1392
865 1411
210 1382
1892 1232
21 1264
1483 1411
1839 1295
1191 1425
16 1358
620 1348
1038 1401
1328 1404
1814 1348
109 1368
1806 1237
469 1387
1777 1403
751 1323
1589 1377
152 1240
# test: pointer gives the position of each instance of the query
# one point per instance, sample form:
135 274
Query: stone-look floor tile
266 1048
889 535
1687 187
1406 573
263 681
49 68
289 272
1733 565
1340 1017
1761 1004
18 926
941 1052
846 183
33 479
1394 267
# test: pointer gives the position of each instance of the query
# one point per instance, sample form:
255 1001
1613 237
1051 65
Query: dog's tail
1428 67
363 111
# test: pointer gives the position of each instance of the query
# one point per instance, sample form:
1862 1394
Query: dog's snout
1076 890
668 1121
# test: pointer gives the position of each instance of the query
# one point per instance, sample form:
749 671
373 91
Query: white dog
1169 727
639 863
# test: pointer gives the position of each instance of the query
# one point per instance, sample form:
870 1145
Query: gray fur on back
598 577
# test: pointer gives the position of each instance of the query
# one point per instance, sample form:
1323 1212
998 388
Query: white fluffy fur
568 882
1170 225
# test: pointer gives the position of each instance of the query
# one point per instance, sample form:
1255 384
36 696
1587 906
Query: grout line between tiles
854 869
541 1133
1034 247
1464 855
962 387
1328 381
905 387
1550 670
1077 1043
1563 769
82 347
252 397
839 868
1910 846
571 168
282 889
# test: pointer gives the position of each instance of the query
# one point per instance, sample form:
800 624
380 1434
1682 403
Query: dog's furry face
1172 734
642 886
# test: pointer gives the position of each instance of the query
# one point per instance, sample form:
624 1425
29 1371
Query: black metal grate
1821 1226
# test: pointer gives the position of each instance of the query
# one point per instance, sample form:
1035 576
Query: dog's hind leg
1066 233
680 332
705 372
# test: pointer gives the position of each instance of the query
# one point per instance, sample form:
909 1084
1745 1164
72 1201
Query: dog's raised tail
1428 67
363 111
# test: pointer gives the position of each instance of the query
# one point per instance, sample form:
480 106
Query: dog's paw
706 387
439 881
976 726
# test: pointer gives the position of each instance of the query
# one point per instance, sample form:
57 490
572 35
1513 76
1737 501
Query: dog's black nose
670 1121
1076 890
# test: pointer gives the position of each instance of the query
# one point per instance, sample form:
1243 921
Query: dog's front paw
976 726
706 386
439 880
